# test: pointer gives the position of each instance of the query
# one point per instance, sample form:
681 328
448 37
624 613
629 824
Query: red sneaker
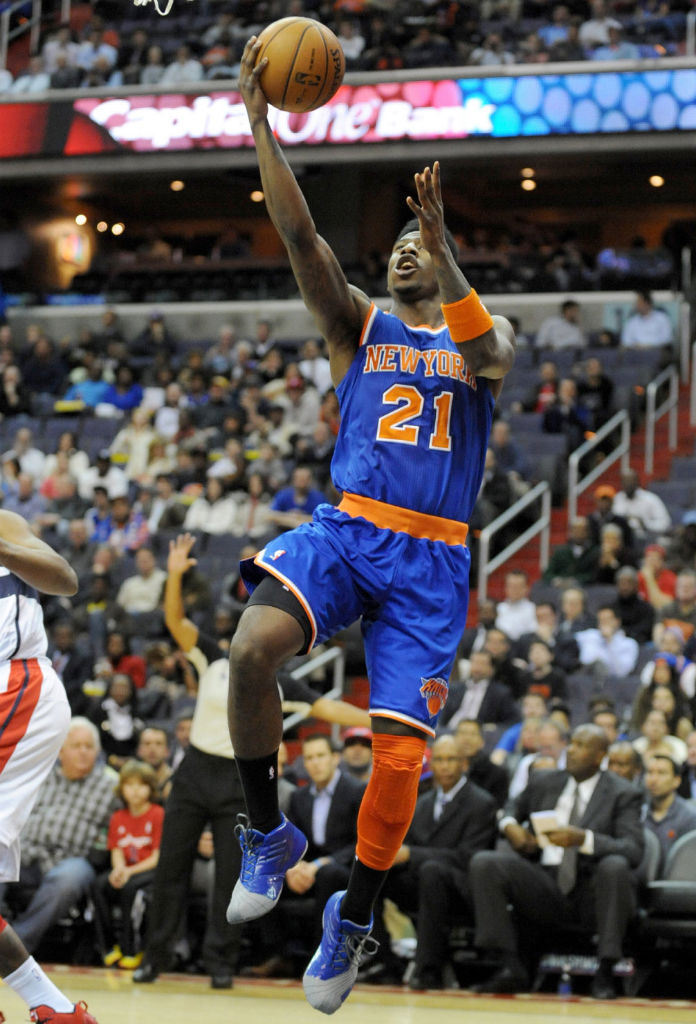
46 1015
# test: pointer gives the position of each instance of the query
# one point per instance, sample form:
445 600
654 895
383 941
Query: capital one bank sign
416 110
509 106
503 107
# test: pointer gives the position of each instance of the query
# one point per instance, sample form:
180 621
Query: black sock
512 962
363 889
606 967
259 779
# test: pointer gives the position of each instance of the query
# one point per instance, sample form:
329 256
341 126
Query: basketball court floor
179 999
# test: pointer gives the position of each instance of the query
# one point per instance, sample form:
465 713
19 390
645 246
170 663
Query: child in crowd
134 840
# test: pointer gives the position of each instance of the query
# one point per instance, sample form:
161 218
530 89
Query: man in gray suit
570 864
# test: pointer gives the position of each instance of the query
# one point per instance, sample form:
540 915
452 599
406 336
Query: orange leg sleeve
390 798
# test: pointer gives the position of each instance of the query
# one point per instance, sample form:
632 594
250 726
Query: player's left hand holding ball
249 74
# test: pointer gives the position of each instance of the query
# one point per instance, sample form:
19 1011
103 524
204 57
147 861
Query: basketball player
34 720
417 387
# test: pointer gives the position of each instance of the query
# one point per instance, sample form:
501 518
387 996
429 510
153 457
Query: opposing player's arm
338 310
32 560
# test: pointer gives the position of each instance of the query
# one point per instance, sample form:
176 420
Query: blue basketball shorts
410 592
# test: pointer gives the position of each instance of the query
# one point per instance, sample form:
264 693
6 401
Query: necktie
568 868
439 806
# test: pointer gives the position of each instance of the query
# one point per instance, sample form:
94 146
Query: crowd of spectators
114 446
205 42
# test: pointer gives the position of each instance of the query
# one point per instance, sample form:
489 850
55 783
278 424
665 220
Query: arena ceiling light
656 180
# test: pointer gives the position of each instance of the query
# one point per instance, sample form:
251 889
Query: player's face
410 274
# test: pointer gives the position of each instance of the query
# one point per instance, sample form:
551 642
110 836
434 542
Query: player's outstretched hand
429 209
249 72
179 559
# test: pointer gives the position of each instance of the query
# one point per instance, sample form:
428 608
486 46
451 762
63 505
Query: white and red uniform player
34 720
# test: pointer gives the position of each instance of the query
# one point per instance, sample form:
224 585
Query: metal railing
332 655
684 339
542 526
654 413
692 399
576 484
32 25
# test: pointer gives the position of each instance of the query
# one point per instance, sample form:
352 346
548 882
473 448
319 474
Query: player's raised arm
338 309
487 343
32 560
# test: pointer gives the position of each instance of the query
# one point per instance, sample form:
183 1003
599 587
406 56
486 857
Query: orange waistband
404 520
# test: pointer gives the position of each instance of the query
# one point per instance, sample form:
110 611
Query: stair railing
542 526
334 656
32 26
692 401
654 413
578 484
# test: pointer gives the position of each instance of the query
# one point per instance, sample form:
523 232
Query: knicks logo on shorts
434 692
277 554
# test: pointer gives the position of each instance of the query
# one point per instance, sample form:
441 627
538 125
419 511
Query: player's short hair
414 225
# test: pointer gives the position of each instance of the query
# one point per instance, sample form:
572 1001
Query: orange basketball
305 64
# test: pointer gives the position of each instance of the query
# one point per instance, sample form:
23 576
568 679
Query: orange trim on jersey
17 705
369 320
404 520
293 590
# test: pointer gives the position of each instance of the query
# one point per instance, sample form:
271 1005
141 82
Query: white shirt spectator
318 372
60 44
618 652
647 330
556 332
142 593
183 69
5 80
516 617
646 512
93 49
114 480
595 31
34 80
212 517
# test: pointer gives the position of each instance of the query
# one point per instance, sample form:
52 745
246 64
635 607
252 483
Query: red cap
357 732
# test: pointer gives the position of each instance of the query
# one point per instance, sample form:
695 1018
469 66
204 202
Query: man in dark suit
73 666
326 811
429 877
479 697
582 874
478 766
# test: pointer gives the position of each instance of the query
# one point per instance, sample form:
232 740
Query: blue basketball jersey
414 421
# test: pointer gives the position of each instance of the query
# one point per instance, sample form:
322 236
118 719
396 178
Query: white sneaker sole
328 996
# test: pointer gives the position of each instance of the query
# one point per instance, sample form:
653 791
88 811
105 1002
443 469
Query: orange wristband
468 318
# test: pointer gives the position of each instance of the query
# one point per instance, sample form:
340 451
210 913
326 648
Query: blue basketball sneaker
265 859
334 967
